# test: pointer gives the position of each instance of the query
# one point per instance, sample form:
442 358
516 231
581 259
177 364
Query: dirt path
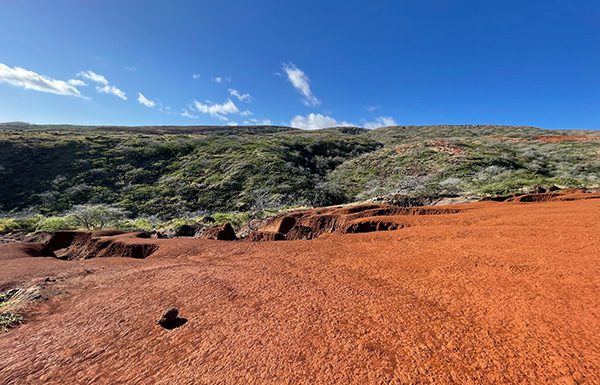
502 293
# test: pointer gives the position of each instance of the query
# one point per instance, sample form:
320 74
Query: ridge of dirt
72 245
314 223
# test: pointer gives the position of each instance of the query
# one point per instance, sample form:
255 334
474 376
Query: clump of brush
12 302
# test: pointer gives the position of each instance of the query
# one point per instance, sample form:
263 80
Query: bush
237 219
136 224
96 217
8 225
52 224
25 224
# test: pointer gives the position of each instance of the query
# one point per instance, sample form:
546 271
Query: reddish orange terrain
477 293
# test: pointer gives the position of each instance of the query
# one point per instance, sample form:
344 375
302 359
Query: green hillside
180 171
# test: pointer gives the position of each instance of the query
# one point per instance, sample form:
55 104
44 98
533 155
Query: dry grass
12 302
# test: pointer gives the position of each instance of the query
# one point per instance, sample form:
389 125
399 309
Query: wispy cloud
314 121
20 77
185 113
217 110
301 83
380 121
240 96
113 91
372 108
77 83
221 79
195 76
103 85
94 77
145 101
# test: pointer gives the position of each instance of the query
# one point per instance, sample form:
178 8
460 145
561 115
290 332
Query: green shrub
8 225
237 219
96 217
52 224
25 224
9 320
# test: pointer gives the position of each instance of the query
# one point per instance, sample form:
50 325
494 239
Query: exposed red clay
494 293
314 223
567 138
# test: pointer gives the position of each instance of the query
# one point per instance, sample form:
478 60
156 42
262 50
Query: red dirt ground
567 138
498 293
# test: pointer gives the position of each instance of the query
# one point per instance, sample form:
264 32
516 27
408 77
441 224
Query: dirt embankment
362 218
311 224
74 245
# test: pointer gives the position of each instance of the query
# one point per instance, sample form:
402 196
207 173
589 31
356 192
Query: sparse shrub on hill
50 170
25 223
96 217
56 223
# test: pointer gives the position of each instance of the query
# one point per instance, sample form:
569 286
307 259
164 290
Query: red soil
310 224
567 138
497 293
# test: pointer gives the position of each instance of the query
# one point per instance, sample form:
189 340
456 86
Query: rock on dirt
223 232
170 319
186 231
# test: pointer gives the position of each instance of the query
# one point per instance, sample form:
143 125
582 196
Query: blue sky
303 63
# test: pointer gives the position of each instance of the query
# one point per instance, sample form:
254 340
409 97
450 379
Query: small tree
96 217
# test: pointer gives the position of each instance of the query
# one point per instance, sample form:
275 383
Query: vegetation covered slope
177 171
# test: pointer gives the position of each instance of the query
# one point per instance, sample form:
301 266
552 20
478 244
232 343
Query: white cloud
20 77
103 87
195 76
113 91
372 108
315 121
246 113
301 82
221 79
217 110
380 121
145 101
241 97
77 83
187 114
94 77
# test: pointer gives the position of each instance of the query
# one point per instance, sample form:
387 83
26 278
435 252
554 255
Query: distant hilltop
15 124
458 130
180 171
